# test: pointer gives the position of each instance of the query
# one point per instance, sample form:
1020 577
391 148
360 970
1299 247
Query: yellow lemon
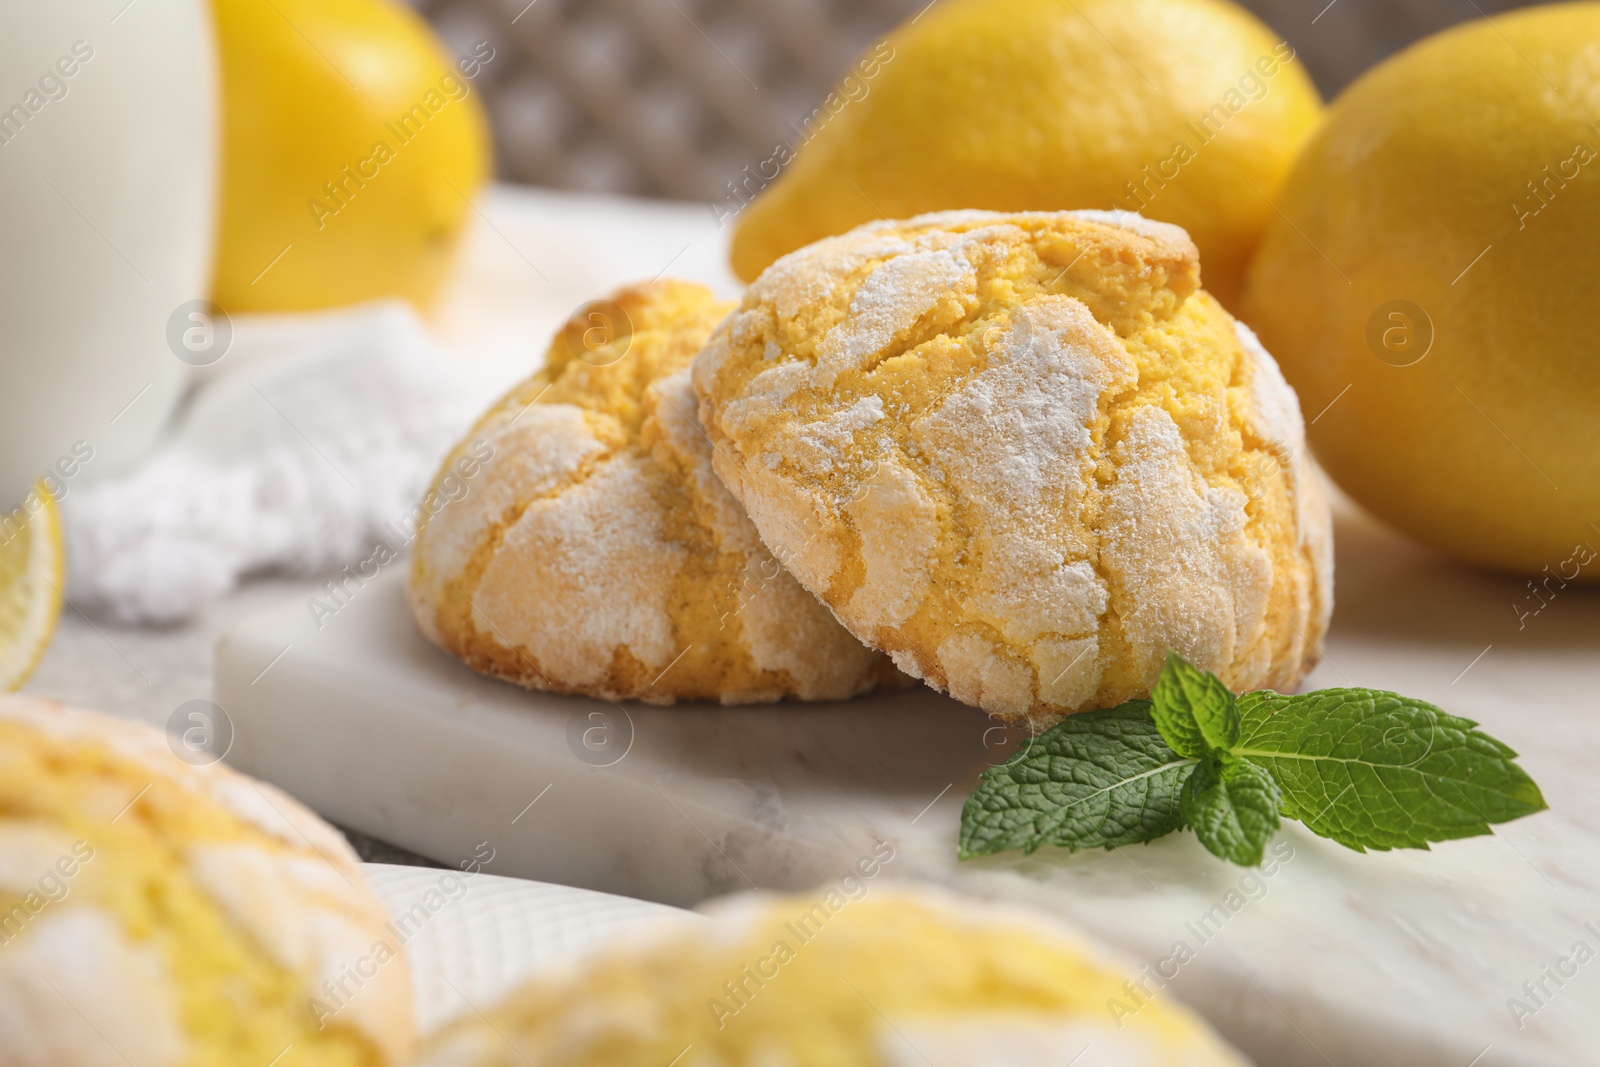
1187 111
1430 290
31 566
352 147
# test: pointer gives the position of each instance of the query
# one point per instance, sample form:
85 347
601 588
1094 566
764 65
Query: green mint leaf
1372 769
1195 711
1094 780
1233 806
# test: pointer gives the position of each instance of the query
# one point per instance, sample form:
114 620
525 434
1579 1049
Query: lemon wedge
31 564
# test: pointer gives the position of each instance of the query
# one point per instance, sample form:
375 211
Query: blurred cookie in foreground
586 546
155 913
847 977
1027 455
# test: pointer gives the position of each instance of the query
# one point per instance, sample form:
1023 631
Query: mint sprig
1232 804
1378 770
1366 768
1197 714
1095 780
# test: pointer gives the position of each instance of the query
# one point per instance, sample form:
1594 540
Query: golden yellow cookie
154 913
1026 455
844 977
582 544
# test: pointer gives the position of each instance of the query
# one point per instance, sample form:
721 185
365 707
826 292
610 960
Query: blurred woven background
672 98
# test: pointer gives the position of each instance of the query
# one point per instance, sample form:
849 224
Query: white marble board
1332 958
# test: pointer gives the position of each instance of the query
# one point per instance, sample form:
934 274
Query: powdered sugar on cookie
1001 447
600 552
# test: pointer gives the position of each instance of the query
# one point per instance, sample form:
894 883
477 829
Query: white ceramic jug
108 174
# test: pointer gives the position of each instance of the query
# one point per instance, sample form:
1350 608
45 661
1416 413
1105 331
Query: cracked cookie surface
161 913
581 543
1025 454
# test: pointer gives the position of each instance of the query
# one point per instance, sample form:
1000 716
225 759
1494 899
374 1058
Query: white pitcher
108 175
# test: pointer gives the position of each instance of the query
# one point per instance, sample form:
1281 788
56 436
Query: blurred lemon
352 144
1172 108
31 566
1430 290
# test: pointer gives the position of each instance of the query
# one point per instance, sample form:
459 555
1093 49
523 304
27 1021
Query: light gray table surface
1407 618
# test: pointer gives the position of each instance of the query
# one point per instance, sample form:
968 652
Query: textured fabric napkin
290 454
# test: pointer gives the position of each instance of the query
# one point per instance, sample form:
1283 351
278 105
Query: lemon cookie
1026 455
596 552
899 978
158 914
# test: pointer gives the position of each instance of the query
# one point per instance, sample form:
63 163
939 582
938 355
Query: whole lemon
1187 111
1430 290
352 145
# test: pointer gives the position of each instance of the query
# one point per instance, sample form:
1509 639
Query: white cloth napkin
290 454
